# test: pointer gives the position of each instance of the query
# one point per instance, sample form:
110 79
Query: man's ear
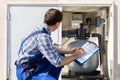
57 24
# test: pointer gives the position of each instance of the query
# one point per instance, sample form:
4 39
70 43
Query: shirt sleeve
49 51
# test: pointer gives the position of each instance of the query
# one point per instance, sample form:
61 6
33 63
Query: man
38 58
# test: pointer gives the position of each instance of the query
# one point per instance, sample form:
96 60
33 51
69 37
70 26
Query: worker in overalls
38 58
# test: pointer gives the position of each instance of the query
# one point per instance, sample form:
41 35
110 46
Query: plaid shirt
41 42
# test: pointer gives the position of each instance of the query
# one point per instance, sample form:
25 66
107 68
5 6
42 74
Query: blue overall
41 69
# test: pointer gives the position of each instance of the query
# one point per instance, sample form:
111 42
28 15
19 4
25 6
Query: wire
66 41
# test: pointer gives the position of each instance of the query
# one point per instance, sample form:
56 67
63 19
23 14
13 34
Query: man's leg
21 74
46 67
55 72
43 76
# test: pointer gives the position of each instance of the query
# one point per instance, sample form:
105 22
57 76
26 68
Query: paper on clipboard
90 50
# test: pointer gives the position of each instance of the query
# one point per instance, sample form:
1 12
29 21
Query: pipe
100 49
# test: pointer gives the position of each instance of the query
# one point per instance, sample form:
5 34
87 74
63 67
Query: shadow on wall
116 55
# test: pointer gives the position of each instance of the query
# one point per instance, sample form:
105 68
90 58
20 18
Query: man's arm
75 56
66 51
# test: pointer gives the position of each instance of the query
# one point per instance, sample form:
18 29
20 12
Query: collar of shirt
46 28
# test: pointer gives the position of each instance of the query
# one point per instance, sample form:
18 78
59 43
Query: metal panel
21 19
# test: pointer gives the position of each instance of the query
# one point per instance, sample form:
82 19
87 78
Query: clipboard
90 49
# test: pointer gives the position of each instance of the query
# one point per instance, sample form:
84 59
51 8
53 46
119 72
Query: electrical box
76 20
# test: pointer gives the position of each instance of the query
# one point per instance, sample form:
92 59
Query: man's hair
53 16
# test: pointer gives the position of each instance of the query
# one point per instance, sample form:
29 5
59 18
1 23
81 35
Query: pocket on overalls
29 69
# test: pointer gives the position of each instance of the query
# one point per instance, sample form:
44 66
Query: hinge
8 16
106 37
111 14
8 73
111 72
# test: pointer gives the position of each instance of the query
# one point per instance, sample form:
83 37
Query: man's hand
73 50
79 52
68 59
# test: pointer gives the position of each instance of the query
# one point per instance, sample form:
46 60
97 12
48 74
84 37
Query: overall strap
32 34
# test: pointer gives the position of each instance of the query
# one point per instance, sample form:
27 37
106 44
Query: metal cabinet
22 18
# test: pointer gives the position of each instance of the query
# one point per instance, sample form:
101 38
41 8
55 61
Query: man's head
53 16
